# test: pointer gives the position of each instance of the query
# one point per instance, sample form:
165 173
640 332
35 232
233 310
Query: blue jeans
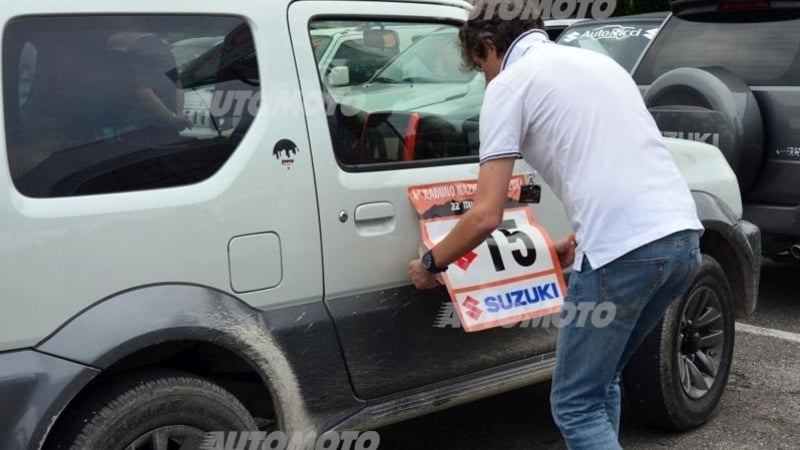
585 396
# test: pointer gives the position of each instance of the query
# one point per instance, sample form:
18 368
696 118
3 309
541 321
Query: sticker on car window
512 276
611 32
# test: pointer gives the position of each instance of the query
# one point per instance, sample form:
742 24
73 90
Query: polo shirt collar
522 44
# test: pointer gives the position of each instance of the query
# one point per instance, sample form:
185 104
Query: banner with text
512 276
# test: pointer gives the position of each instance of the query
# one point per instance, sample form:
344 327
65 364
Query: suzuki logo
472 307
699 136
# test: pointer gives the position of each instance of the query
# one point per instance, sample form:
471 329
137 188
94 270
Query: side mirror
339 76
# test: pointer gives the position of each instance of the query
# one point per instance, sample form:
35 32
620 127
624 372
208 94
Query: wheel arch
212 361
726 240
168 325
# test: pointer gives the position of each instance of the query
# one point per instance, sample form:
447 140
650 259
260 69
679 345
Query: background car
728 73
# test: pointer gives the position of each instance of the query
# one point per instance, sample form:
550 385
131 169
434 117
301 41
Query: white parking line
769 332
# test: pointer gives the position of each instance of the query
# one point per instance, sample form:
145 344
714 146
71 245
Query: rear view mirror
339 76
380 39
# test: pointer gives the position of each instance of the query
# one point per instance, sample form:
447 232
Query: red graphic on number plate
464 262
472 307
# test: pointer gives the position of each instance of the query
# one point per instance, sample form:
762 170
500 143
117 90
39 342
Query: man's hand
421 278
565 248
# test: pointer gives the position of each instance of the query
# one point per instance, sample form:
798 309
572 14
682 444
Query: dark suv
728 73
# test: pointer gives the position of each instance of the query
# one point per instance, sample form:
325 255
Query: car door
395 337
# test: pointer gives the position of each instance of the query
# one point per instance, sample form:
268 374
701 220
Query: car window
361 60
759 53
320 44
420 108
624 42
123 103
342 44
434 59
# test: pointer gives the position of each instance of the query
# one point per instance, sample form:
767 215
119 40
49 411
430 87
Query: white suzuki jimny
164 278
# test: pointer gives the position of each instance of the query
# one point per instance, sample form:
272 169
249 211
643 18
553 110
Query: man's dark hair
500 21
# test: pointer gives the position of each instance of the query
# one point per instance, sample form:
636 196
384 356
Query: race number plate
512 276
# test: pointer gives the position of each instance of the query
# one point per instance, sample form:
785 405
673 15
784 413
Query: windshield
435 58
623 42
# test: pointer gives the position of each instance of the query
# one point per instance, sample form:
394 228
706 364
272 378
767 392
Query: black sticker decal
284 151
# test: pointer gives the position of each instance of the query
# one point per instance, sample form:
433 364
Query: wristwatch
430 264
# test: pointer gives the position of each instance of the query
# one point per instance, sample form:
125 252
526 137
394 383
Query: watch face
427 260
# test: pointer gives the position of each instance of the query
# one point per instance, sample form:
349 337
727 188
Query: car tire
138 410
676 378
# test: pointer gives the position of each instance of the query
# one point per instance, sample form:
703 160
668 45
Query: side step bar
439 396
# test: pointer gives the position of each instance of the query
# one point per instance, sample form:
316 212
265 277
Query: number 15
525 259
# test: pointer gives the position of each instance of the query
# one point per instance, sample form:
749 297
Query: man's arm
501 124
475 225
478 223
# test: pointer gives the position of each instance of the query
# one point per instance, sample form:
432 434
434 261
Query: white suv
160 285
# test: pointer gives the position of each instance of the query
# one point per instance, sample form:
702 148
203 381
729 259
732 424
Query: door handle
374 211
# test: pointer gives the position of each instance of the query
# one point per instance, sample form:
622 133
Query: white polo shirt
578 119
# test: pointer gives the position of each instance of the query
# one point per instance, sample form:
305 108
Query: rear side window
106 104
760 53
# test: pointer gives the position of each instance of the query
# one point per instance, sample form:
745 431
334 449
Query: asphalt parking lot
760 408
